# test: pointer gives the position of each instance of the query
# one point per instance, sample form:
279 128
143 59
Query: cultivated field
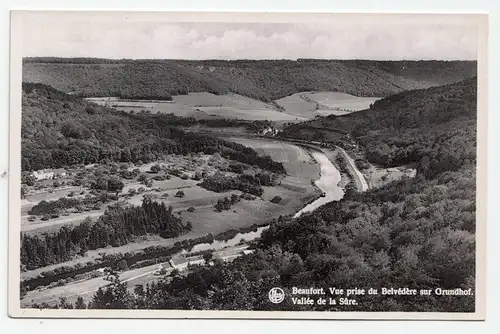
204 105
297 106
341 103
248 102
312 104
299 165
231 100
164 107
204 99
250 114
278 151
296 160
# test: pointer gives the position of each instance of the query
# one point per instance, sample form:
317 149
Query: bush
180 194
191 209
276 199
155 168
142 178
122 265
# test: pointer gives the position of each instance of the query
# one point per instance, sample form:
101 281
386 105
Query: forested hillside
62 130
265 80
415 233
435 127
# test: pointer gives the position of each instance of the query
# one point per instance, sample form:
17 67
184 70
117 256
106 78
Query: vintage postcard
248 165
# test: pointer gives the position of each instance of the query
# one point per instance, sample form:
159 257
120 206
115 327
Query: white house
47 174
181 262
43 174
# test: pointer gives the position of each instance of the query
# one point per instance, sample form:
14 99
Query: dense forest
118 226
416 233
265 80
61 130
434 128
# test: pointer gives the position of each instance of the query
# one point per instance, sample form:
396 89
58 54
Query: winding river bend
327 183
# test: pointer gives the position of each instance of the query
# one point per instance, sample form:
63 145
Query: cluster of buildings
48 174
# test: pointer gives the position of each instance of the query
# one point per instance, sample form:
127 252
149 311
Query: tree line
246 183
226 203
117 226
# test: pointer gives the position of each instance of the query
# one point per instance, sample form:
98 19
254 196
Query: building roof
231 252
59 170
178 260
47 171
195 258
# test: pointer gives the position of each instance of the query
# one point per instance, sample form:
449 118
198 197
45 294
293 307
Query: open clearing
341 103
204 99
248 102
231 100
300 167
204 105
250 114
164 107
312 104
297 106
278 151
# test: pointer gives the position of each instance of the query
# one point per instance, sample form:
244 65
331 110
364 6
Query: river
328 183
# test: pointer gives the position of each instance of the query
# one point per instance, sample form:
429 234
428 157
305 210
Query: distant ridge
265 80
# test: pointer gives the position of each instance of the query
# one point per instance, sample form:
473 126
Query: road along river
359 178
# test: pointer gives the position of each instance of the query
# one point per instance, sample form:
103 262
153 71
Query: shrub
276 199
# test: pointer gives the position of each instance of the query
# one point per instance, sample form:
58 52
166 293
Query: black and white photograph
321 166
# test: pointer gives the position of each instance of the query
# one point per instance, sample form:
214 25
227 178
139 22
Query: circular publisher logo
276 295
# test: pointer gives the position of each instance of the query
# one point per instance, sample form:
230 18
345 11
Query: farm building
46 174
231 253
269 131
181 262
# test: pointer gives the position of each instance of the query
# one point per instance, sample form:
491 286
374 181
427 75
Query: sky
125 36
